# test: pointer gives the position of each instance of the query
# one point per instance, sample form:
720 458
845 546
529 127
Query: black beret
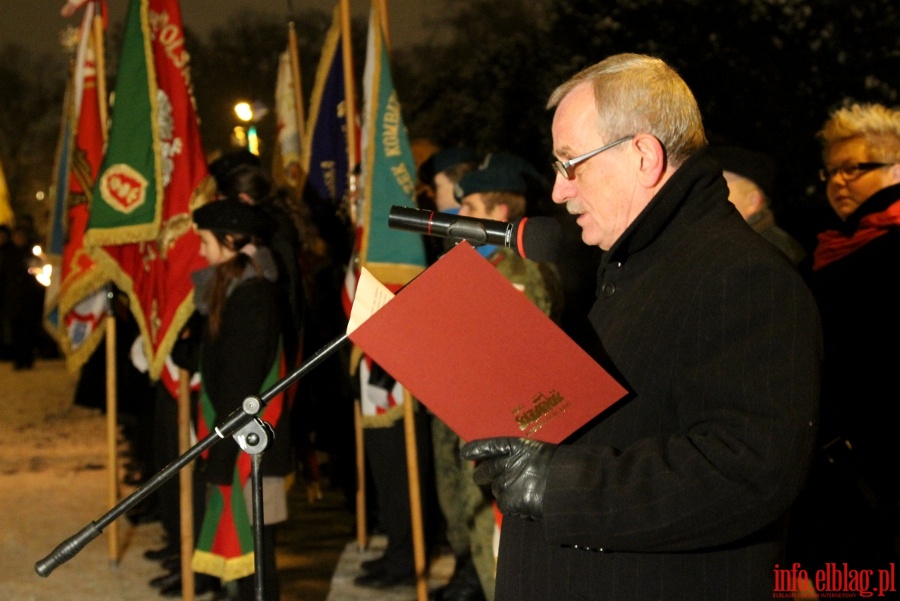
491 179
222 166
445 159
230 216
755 166
512 161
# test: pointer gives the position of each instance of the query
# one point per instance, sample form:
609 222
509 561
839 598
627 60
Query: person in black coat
682 489
850 511
24 299
241 354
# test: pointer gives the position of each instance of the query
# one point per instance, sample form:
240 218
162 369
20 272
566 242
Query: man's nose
562 189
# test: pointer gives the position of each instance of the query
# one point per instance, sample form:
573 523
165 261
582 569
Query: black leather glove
516 469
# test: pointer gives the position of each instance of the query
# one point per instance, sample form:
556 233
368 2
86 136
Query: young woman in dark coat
241 355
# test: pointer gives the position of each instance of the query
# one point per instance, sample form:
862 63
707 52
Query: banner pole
381 5
295 79
362 541
186 486
101 75
349 84
111 429
415 495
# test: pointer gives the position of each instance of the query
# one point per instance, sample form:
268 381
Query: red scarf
833 245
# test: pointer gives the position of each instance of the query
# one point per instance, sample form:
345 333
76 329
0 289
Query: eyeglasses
850 172
566 168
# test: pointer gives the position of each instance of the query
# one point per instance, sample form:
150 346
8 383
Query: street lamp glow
44 274
250 114
244 111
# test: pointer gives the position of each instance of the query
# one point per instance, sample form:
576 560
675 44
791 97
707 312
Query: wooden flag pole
100 64
381 6
349 89
295 80
111 400
409 424
415 495
186 490
362 540
112 430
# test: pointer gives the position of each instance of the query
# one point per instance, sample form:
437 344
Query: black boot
373 565
161 554
167 580
464 584
203 583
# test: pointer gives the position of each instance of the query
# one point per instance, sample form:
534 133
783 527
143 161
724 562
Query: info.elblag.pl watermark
834 581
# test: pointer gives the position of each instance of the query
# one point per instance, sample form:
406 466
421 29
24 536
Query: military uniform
467 508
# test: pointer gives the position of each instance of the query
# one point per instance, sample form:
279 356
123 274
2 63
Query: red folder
475 351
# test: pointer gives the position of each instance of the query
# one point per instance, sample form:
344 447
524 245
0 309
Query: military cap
491 179
445 159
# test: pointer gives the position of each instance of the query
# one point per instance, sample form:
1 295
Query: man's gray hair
634 94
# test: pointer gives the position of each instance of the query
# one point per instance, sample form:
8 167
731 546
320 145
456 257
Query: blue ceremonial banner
325 146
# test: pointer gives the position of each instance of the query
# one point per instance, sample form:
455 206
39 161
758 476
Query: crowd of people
754 450
758 432
256 309
22 338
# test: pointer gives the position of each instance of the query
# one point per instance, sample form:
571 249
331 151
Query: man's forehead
575 117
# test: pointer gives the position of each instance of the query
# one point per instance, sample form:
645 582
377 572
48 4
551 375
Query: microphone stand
253 437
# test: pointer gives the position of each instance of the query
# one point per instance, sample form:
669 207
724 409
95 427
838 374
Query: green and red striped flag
225 545
153 174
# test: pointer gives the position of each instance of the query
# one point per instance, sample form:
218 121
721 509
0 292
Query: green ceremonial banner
389 173
127 202
154 174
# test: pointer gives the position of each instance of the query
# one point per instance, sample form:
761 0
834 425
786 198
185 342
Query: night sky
36 24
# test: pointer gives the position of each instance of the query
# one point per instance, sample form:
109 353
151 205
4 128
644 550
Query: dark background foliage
766 73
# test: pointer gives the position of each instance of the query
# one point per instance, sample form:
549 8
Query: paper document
475 351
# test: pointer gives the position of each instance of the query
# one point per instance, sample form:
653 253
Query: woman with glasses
850 510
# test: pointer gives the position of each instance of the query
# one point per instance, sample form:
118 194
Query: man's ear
755 200
653 159
500 212
895 173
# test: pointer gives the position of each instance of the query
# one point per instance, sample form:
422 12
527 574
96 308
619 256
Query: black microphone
535 238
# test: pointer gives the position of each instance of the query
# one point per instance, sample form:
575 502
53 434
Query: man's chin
588 238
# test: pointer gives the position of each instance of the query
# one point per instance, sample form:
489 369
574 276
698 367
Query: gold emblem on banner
123 188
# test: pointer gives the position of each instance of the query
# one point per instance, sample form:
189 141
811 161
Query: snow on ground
53 482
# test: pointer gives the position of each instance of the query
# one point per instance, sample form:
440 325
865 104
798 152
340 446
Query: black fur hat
230 216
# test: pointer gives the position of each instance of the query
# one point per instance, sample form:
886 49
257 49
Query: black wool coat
859 299
680 491
234 365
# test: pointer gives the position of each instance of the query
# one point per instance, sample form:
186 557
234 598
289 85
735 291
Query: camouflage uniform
467 508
